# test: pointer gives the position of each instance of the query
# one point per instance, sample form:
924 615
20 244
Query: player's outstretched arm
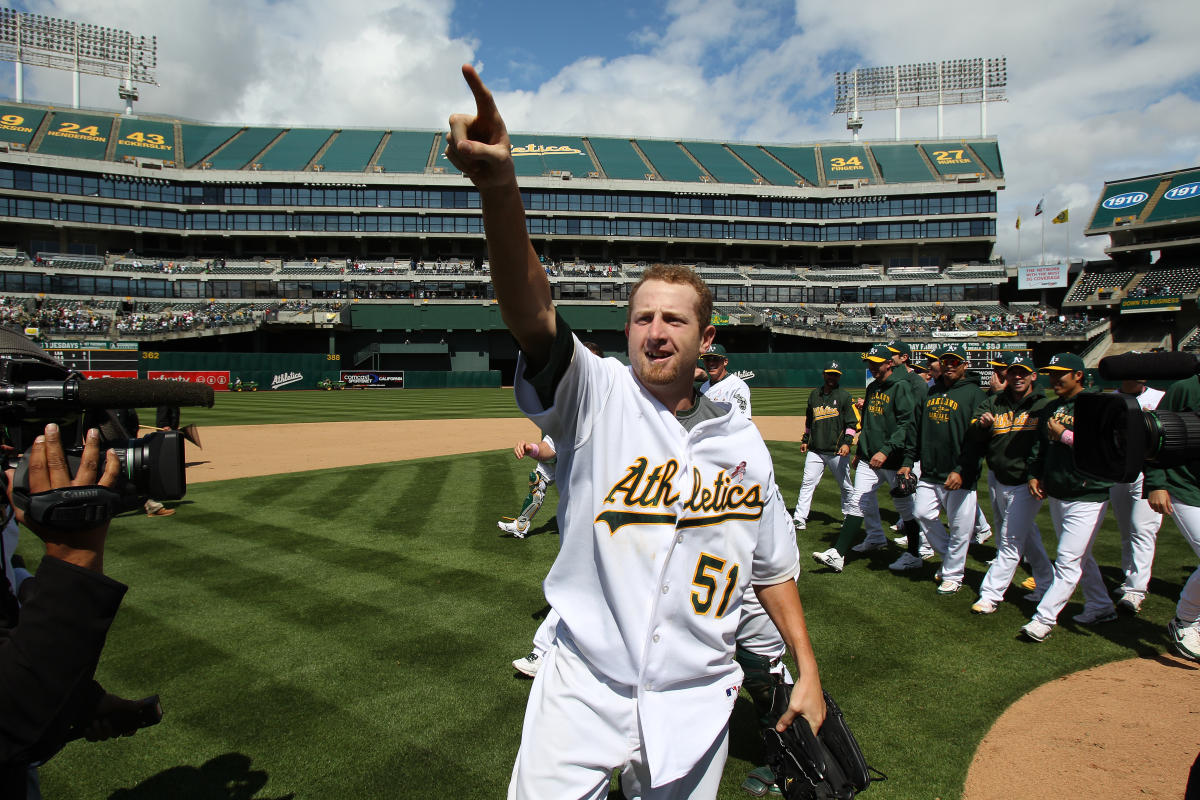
479 146
538 451
781 601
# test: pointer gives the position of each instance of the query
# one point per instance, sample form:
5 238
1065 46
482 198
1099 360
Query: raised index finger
485 104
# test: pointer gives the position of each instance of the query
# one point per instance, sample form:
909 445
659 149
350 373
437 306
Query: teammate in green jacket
1011 421
887 432
830 424
1077 505
950 451
1176 491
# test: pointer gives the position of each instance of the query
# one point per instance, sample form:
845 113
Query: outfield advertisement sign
217 379
1145 305
372 380
1042 276
109 373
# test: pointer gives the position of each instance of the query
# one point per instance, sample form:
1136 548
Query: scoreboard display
98 359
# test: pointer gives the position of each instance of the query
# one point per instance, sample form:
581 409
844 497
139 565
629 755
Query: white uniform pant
814 468
1188 520
579 726
1017 537
861 501
543 637
1139 525
1076 522
981 520
960 506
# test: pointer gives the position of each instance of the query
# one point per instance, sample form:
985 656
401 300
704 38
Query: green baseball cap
714 350
878 352
833 366
1063 362
1022 361
899 348
954 350
1003 361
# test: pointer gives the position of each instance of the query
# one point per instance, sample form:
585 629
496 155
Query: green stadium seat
900 163
351 151
1180 201
764 165
618 159
950 158
1123 199
541 155
408 151
989 154
238 152
800 160
76 135
145 139
295 149
18 124
845 162
199 141
670 161
719 162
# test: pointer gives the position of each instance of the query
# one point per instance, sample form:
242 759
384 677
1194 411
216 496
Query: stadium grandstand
368 244
1152 276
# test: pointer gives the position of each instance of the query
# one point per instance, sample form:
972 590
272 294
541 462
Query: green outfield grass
348 633
261 408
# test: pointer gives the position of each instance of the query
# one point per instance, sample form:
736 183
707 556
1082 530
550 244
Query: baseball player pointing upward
671 510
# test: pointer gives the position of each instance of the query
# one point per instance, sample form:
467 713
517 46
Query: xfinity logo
286 379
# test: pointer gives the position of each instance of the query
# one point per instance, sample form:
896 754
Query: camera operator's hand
1160 501
48 470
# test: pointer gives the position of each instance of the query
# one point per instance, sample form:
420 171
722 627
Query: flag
1037 212
1063 216
1018 223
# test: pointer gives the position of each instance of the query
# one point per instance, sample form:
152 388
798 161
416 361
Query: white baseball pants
815 465
543 637
1017 537
579 727
1139 525
861 500
960 506
1076 522
1188 520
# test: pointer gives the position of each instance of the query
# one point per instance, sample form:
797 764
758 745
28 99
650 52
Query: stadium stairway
1139 335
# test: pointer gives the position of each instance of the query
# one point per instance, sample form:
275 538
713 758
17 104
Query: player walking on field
1077 505
669 511
887 430
1176 491
950 452
830 424
722 385
1011 420
1137 521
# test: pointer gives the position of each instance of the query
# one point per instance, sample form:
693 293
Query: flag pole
1043 261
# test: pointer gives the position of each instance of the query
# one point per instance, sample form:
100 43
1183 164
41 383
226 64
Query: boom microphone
136 393
1170 366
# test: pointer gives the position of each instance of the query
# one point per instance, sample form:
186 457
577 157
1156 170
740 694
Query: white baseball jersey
662 530
732 390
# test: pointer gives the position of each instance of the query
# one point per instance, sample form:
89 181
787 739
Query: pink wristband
850 431
534 450
1068 438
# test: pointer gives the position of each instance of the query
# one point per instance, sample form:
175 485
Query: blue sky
1098 89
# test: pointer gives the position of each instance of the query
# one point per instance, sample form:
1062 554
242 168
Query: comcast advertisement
368 379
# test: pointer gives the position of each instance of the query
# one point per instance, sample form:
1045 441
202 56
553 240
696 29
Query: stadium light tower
78 47
958 82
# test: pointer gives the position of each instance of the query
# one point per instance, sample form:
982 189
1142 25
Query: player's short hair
595 348
674 273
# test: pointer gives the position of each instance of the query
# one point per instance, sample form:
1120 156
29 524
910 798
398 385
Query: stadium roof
1151 201
108 136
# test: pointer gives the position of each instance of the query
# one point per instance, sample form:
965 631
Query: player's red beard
658 372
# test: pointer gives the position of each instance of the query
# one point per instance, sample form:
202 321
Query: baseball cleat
949 587
830 558
866 545
1185 639
905 562
514 527
900 541
983 536
1096 617
983 607
528 665
801 524
1131 602
1036 631
926 553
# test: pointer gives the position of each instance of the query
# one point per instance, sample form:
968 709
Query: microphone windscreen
1171 366
137 393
